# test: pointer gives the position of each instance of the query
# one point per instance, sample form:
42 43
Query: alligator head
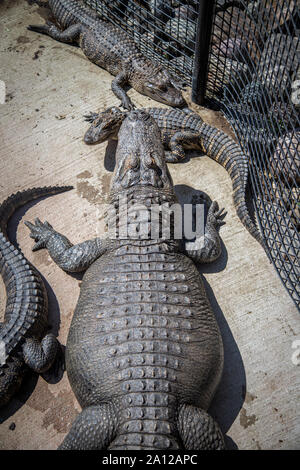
105 126
160 86
140 158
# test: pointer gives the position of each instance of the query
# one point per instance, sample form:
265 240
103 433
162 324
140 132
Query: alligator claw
216 215
127 104
90 117
40 232
39 28
37 246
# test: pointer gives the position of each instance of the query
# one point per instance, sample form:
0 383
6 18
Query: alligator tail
68 12
222 148
25 290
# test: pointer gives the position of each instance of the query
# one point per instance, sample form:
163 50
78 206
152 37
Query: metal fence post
203 39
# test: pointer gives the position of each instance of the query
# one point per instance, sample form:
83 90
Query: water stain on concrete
84 174
23 40
89 192
57 410
245 420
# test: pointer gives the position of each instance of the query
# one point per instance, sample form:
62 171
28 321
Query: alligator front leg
69 35
71 258
93 429
207 248
177 143
198 430
117 87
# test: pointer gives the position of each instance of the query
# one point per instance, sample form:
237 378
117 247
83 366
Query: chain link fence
241 57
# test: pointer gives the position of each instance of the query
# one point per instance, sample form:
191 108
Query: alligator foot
93 429
69 35
40 232
198 430
39 356
126 103
215 215
90 117
41 28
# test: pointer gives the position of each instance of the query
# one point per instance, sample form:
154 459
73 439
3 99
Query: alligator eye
163 87
107 125
97 122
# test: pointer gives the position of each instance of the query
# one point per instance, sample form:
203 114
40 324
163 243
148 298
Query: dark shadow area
231 391
19 399
56 371
110 155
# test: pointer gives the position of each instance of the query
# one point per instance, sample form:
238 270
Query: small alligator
112 49
180 130
144 354
23 339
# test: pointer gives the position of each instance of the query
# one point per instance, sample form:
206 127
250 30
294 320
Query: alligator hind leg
93 429
40 356
177 144
69 35
198 430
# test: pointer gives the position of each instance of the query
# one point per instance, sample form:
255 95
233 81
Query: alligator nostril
150 162
138 114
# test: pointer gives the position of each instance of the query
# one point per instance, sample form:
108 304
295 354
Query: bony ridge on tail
24 340
144 354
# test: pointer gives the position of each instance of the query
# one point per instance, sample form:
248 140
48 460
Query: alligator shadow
230 394
110 155
231 391
55 373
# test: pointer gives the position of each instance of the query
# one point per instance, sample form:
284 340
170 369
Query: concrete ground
49 87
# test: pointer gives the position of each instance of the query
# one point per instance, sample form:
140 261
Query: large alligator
180 130
112 49
144 354
24 341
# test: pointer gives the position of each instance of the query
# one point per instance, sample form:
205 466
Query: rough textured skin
111 48
144 354
182 130
23 339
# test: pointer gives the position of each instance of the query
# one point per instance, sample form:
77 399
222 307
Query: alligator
144 353
24 341
112 49
180 130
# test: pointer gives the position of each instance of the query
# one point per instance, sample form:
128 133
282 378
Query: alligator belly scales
148 318
144 354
